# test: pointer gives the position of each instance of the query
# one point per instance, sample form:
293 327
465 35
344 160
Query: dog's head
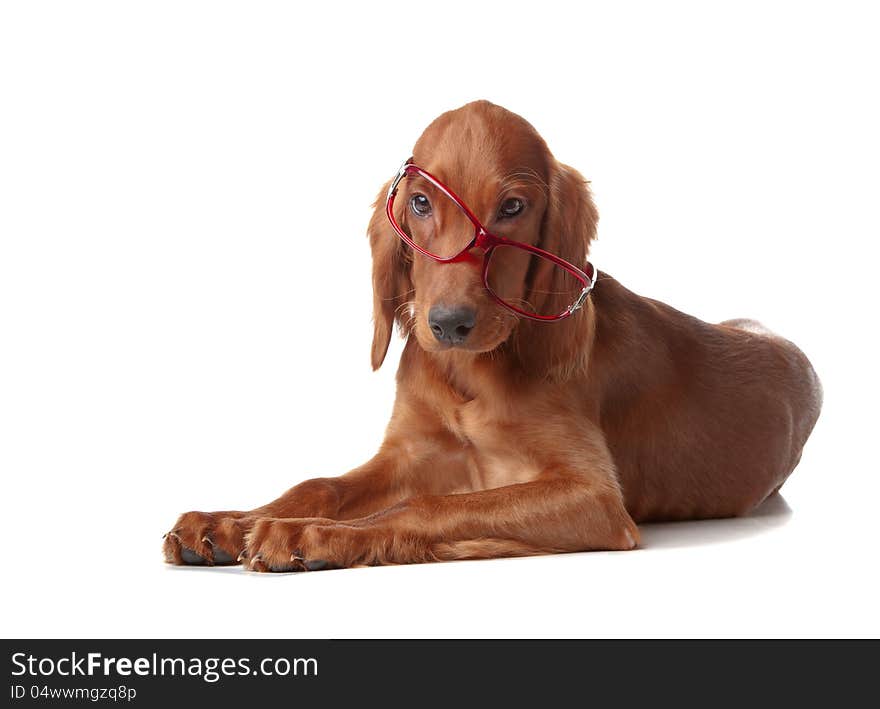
501 168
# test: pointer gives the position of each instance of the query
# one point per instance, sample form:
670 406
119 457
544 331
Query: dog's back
702 420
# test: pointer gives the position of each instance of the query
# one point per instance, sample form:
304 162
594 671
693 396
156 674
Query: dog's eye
510 208
420 205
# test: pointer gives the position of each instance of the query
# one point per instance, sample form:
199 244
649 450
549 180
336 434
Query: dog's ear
391 281
568 227
571 219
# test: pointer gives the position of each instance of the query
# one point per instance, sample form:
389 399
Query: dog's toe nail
206 540
242 555
316 564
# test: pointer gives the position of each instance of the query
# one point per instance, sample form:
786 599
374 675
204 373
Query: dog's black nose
451 325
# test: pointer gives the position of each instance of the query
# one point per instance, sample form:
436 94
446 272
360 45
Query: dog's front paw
309 544
206 538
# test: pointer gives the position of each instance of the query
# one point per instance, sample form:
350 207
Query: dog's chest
496 455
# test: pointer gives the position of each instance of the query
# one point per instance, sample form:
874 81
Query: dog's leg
553 513
398 471
217 538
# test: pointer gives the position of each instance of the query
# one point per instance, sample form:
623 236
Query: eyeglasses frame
486 240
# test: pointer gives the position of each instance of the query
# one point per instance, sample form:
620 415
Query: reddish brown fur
538 437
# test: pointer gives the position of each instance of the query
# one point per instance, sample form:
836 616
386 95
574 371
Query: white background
185 297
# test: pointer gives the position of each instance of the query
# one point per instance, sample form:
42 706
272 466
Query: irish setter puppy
532 416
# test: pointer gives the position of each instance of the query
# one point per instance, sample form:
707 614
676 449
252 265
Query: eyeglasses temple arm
578 304
401 173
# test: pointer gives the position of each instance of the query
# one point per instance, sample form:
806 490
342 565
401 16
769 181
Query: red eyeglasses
529 281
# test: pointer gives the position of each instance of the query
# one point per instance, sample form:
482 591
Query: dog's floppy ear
568 227
571 218
391 281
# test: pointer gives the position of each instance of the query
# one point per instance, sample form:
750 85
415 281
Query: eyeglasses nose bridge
483 239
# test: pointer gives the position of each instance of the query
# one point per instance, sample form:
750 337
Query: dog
523 425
